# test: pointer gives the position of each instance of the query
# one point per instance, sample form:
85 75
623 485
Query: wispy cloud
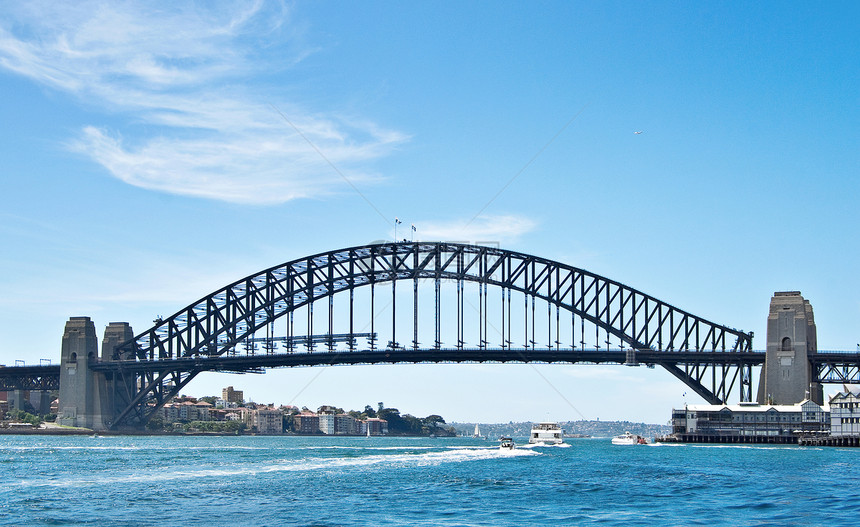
500 228
185 73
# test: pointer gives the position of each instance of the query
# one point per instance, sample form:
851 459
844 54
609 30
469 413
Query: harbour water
122 480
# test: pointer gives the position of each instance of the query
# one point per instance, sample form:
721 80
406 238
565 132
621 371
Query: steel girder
836 367
30 378
215 324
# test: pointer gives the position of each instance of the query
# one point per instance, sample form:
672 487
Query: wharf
844 441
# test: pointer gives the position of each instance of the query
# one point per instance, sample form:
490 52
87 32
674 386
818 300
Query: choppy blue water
408 481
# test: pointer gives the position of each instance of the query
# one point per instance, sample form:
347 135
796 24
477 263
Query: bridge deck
242 363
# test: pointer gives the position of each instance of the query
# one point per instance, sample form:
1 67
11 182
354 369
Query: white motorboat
546 433
629 439
506 443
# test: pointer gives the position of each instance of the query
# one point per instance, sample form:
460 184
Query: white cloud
490 228
185 72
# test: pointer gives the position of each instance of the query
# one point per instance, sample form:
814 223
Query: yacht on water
477 432
506 443
629 439
546 433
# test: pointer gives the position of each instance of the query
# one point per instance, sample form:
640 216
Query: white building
327 423
845 413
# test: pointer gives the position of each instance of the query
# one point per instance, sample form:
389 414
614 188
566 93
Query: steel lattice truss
712 359
42 378
836 367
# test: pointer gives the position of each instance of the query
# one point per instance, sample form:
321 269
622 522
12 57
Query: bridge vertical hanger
393 271
372 301
549 294
330 288
460 295
526 306
485 282
414 296
437 284
481 312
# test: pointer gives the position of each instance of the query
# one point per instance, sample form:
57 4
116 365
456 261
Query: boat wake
316 464
546 445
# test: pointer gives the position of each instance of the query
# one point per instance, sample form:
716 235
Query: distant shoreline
58 431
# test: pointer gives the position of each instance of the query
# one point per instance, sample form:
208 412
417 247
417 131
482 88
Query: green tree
24 417
433 421
396 424
155 424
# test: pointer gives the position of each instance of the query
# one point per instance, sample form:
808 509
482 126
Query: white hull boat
629 439
547 434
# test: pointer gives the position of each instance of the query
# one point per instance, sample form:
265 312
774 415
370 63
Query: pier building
749 422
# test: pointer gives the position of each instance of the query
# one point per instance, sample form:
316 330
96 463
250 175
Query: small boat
506 443
629 439
477 433
546 433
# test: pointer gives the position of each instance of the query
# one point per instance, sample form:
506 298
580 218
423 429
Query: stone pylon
787 376
87 397
77 382
113 387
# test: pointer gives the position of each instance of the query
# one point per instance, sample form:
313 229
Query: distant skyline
152 153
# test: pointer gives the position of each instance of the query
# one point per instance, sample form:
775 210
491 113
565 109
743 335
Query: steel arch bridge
470 303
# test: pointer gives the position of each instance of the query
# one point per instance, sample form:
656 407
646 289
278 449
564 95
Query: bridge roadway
250 363
832 366
43 377
47 377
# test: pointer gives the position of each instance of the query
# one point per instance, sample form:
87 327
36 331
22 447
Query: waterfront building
845 413
268 421
377 427
345 425
326 423
749 422
306 423
233 396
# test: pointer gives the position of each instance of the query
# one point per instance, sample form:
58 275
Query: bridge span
447 302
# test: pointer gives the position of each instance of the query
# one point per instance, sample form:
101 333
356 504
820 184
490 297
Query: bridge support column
113 387
17 400
787 376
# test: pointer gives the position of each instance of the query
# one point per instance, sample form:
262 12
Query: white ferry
546 433
629 439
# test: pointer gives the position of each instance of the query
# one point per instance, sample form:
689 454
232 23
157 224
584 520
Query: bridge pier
113 387
787 376
37 401
17 401
77 382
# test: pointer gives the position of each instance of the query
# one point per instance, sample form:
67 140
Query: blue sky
149 155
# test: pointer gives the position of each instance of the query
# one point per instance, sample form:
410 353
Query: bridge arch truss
504 305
